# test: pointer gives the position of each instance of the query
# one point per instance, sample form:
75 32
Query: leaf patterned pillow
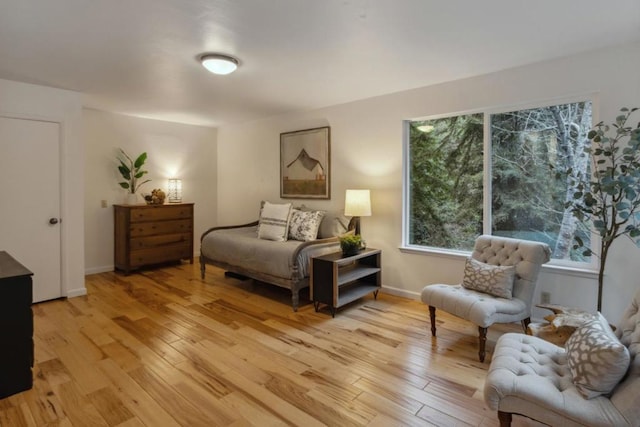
304 225
596 358
495 280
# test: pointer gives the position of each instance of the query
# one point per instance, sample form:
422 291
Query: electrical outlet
545 297
103 203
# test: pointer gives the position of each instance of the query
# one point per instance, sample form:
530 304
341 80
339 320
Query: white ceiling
139 56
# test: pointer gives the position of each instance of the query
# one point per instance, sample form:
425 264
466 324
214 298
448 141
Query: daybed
238 249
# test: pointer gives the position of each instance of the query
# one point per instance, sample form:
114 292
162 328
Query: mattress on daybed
242 247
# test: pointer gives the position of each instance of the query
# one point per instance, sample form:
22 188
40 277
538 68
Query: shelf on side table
337 280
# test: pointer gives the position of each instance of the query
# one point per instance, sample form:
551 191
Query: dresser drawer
152 213
158 241
161 254
161 227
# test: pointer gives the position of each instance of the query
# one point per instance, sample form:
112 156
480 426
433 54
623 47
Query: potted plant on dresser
131 171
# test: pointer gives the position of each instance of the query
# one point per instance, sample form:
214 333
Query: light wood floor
163 348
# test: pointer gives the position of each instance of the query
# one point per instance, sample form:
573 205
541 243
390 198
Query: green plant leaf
124 171
579 242
140 160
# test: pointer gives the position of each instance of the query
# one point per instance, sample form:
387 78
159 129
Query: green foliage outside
446 182
528 147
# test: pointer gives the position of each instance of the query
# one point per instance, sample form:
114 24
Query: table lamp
175 191
357 203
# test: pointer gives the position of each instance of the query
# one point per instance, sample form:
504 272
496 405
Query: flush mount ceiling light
219 64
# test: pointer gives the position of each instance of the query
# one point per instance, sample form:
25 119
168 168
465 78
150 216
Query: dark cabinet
16 326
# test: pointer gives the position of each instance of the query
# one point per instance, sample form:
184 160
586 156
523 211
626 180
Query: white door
30 200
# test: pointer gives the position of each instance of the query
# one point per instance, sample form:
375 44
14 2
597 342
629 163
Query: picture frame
305 164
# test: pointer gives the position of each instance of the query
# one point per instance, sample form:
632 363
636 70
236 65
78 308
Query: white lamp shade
219 64
357 203
174 193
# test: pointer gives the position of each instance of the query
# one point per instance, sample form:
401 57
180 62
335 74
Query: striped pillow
274 221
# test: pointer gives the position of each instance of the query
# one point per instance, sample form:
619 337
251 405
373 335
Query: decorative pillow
491 279
333 224
597 359
304 224
274 221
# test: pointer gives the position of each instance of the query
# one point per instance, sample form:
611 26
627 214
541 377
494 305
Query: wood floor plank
110 407
391 410
180 408
13 417
272 402
216 412
82 369
78 406
162 348
137 400
42 402
252 412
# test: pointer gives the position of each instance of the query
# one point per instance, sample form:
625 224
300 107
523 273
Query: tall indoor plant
610 196
131 170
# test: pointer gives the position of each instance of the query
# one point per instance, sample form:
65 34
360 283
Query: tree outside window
528 150
445 185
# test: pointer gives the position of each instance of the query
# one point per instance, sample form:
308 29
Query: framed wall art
305 164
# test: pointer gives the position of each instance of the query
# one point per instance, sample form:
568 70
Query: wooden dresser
151 234
16 326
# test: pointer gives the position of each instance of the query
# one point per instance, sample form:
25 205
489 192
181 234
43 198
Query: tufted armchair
532 377
484 309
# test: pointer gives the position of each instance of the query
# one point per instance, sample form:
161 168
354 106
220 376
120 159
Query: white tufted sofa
483 309
529 376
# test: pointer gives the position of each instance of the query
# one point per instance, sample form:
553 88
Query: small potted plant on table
351 244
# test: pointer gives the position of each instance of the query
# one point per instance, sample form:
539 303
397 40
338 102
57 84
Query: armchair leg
504 418
202 269
432 316
525 324
482 341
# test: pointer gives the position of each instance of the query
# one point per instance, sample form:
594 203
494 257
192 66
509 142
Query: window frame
575 267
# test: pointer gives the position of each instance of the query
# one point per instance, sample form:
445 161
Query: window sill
586 273
443 253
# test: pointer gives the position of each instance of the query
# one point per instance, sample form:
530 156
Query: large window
500 173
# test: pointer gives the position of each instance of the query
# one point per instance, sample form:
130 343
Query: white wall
174 150
39 102
366 152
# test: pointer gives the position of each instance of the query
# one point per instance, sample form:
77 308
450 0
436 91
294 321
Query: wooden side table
560 325
337 280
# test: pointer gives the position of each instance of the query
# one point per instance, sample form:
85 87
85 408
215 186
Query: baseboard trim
96 270
400 293
78 292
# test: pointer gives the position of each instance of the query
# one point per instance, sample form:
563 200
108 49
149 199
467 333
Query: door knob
53 221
